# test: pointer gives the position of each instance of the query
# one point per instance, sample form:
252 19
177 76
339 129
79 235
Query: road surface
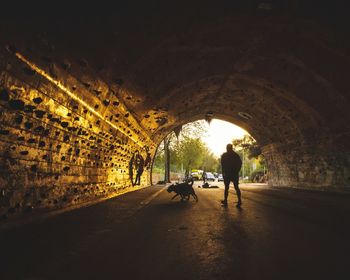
278 234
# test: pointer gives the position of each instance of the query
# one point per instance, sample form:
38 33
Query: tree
210 161
179 138
248 143
250 152
191 153
196 129
167 160
186 150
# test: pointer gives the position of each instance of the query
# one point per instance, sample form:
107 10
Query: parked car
220 178
209 176
196 176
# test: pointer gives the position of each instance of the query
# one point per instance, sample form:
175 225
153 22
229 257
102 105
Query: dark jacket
231 163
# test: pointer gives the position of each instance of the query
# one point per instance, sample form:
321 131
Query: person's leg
227 185
238 191
138 178
140 174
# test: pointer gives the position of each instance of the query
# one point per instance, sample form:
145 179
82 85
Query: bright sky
220 134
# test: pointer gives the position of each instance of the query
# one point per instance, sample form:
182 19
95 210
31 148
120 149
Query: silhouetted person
231 163
139 165
205 183
148 159
131 171
204 177
187 175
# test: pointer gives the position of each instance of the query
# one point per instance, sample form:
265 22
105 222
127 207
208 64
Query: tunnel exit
197 148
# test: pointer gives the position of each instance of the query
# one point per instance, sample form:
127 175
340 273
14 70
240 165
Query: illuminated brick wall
61 145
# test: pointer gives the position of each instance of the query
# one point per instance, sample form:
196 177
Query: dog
184 190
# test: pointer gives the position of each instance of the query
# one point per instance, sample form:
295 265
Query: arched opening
289 131
196 147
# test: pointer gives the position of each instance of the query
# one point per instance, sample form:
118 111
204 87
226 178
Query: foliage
187 151
250 153
191 152
197 129
248 143
210 161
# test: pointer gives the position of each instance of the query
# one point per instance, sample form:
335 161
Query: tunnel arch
282 123
285 156
227 103
137 83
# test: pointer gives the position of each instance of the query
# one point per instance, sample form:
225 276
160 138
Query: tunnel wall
94 93
56 152
307 166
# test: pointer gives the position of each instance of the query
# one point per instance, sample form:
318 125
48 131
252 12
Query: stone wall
308 166
57 150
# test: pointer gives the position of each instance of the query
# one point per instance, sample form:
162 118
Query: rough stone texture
278 70
56 152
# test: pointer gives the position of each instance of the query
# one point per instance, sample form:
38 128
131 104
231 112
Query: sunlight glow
220 133
73 96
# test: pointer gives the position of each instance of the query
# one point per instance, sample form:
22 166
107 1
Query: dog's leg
195 197
175 196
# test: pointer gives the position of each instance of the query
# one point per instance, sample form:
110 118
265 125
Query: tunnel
85 88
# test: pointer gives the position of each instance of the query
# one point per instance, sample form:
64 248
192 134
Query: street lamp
243 163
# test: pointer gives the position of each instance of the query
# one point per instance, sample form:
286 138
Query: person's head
229 147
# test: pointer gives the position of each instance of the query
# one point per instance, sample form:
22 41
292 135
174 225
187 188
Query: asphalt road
278 234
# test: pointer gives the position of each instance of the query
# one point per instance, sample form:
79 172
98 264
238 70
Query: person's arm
222 165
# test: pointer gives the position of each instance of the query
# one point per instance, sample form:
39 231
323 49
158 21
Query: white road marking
149 199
